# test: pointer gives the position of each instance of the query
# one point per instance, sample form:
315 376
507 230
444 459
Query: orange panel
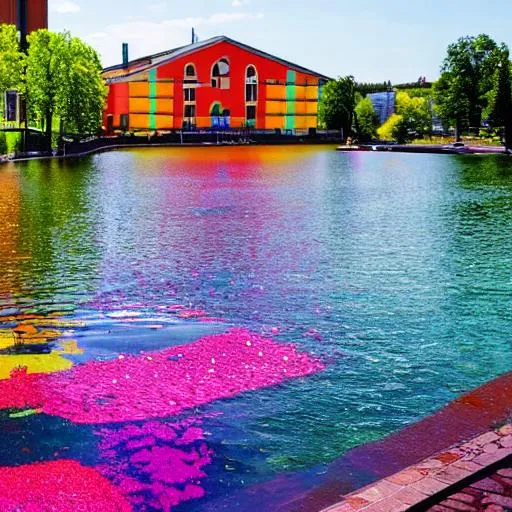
140 105
312 107
272 122
203 122
300 107
237 122
276 92
300 93
139 89
275 107
164 106
164 122
165 89
139 121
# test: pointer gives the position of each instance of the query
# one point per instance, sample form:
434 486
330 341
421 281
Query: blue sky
374 40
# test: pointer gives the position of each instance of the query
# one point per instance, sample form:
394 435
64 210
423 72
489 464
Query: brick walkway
491 494
474 476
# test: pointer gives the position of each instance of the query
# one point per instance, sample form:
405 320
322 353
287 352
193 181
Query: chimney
22 22
125 55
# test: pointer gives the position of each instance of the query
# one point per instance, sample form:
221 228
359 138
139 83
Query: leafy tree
466 78
395 128
367 120
84 89
452 103
11 59
415 112
3 144
64 80
46 72
336 109
500 96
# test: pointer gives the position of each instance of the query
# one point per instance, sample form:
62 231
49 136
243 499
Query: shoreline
393 148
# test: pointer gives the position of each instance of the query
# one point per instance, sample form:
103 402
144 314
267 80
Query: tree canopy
336 108
367 120
468 76
64 80
11 59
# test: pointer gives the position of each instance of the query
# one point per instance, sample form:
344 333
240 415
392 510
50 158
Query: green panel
152 99
291 95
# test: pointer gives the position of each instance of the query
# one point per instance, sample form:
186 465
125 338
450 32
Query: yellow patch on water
38 363
70 347
7 339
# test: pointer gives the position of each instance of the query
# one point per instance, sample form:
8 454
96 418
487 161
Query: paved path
478 471
490 494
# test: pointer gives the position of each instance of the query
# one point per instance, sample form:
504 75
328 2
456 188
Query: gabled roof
134 67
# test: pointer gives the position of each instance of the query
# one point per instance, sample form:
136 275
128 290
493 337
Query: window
190 111
251 92
190 94
190 70
220 74
251 85
124 121
250 113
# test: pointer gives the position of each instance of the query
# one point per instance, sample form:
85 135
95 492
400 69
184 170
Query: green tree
84 91
46 72
367 120
415 112
64 81
500 96
336 109
11 59
11 62
395 128
466 78
452 103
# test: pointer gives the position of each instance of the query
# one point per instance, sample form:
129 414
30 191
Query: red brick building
35 12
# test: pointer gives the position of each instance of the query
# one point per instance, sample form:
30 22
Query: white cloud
65 7
239 3
165 34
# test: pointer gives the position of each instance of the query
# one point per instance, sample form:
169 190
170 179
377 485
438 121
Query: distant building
384 104
27 15
216 83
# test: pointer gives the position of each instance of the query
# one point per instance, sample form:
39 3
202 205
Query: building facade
25 14
216 83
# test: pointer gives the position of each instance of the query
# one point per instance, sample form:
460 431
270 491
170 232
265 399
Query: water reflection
392 269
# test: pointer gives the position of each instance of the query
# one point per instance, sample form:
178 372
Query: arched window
189 96
220 74
251 85
251 96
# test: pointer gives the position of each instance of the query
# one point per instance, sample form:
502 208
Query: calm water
395 269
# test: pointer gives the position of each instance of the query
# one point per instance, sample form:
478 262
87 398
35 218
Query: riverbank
437 445
450 149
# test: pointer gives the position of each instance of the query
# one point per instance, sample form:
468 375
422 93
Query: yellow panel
140 89
139 121
165 89
276 92
312 93
140 105
272 122
301 122
275 107
312 107
164 106
305 122
164 122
